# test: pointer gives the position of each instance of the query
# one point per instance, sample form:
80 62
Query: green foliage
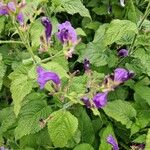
30 115
70 7
121 111
103 136
62 127
85 126
117 29
148 141
84 146
3 70
21 86
59 116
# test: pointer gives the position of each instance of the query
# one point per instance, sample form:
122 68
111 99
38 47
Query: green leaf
103 138
85 126
73 7
36 32
30 114
148 141
2 71
80 32
99 34
62 127
117 29
95 53
7 118
143 91
21 85
84 146
121 111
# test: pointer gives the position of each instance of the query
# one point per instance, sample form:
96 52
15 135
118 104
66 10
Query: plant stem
147 12
26 44
12 42
50 58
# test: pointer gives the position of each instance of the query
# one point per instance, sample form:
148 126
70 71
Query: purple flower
66 33
86 64
45 76
3 9
3 148
121 75
111 140
123 53
11 6
86 101
100 99
20 18
48 27
122 3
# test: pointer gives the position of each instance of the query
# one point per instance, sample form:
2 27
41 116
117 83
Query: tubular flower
3 9
48 27
121 75
111 140
122 3
123 53
100 99
12 7
86 101
20 18
45 76
66 33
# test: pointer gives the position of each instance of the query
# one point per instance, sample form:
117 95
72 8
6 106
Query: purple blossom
122 3
11 6
3 9
100 99
111 140
121 75
48 27
86 64
86 101
123 53
3 148
66 33
20 18
45 76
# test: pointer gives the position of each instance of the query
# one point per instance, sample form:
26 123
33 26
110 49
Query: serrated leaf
99 34
85 126
62 127
148 141
117 29
7 118
73 7
30 115
84 146
95 53
121 111
21 86
143 91
2 72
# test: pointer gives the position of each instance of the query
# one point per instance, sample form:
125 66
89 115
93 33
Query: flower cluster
109 84
13 8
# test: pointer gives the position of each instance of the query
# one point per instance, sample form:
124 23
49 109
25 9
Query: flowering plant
75 74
